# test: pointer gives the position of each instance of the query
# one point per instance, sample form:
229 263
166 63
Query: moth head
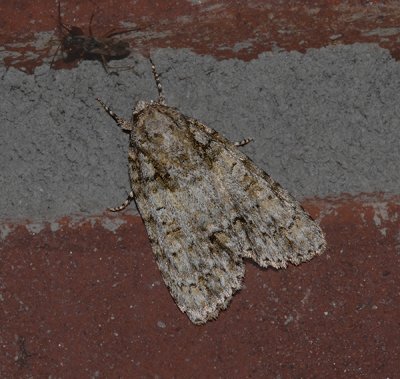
140 105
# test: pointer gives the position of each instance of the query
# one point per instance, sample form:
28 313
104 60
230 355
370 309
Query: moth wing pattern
206 206
288 233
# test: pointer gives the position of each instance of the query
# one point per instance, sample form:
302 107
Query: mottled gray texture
324 123
206 207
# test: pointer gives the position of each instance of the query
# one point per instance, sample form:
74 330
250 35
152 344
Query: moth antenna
161 97
126 126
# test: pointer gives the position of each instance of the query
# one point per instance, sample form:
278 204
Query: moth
206 206
75 45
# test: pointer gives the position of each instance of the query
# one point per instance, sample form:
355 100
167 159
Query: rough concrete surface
324 122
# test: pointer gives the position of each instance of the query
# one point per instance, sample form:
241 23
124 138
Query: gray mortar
324 123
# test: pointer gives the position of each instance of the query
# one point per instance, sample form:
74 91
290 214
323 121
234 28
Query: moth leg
243 142
124 204
126 126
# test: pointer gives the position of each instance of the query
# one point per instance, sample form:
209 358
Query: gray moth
206 206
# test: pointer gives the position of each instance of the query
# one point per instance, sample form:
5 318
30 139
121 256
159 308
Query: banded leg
124 204
126 126
243 142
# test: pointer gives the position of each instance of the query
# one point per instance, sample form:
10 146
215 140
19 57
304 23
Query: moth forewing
206 206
